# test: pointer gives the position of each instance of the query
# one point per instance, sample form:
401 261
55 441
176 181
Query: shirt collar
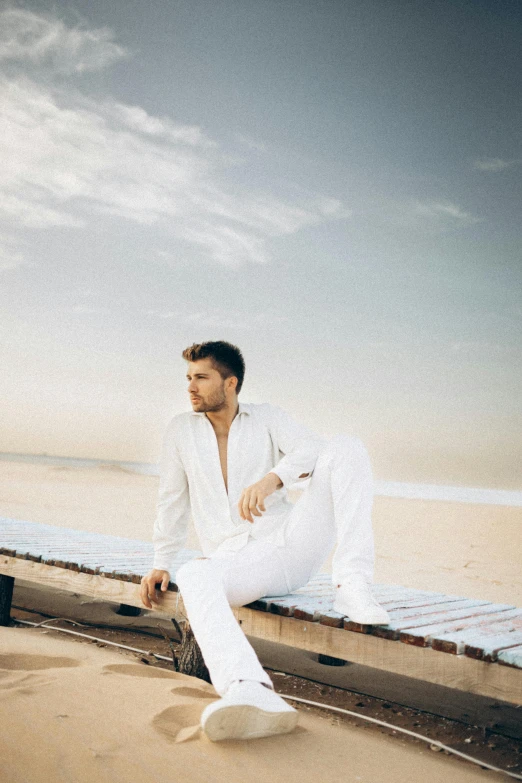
243 408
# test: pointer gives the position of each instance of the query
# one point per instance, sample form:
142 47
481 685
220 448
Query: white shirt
262 439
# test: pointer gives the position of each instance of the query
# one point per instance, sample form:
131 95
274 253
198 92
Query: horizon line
382 487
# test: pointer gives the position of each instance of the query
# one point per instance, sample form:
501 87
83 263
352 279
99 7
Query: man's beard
216 401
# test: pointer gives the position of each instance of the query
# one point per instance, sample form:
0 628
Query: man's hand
253 497
148 591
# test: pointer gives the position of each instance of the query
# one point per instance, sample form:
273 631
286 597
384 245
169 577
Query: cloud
10 255
265 214
445 210
139 120
228 245
67 159
332 207
494 164
251 143
31 38
64 158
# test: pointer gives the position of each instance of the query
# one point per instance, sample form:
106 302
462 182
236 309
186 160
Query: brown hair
226 358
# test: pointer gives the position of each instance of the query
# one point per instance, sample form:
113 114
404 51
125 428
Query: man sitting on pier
229 465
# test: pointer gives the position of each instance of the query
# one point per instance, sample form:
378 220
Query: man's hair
226 358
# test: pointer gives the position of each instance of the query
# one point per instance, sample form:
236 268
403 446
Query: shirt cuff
161 565
284 474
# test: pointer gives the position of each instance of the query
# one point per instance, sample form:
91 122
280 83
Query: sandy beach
79 712
473 550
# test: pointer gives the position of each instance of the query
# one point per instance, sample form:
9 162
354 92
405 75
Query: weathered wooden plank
511 657
58 534
424 635
91 553
484 641
316 605
331 618
423 601
405 617
310 602
488 650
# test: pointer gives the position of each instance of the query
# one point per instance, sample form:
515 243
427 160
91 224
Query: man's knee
347 444
348 447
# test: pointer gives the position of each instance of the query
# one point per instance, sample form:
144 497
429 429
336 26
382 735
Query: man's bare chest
222 442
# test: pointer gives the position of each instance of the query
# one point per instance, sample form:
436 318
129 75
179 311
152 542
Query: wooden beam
94 585
422 663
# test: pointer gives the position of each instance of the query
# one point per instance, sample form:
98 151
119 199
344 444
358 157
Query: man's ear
232 382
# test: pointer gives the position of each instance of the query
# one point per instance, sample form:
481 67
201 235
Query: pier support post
6 596
190 660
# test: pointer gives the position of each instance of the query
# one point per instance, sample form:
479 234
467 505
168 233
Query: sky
333 186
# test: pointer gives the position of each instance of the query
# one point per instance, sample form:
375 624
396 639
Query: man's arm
173 506
299 445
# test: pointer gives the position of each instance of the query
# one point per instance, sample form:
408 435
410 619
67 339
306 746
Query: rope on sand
429 740
441 745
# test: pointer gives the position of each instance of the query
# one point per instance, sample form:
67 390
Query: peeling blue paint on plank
489 638
445 635
511 657
444 613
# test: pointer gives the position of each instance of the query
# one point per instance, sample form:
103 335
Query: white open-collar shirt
263 439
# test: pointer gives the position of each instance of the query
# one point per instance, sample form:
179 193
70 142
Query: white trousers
334 508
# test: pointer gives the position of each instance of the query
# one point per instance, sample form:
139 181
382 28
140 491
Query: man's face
206 387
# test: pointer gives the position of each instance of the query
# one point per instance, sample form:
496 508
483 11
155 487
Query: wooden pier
464 643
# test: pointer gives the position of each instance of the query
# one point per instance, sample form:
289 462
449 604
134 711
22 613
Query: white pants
335 507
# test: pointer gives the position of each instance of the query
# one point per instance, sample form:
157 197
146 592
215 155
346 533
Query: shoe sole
356 620
244 721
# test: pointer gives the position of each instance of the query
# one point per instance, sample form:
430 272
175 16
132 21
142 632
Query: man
229 465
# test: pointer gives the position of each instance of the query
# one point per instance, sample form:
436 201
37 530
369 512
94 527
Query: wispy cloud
445 210
251 143
11 257
494 164
139 120
29 37
220 319
332 207
228 245
66 158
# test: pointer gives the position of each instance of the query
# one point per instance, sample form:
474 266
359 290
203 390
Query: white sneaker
246 711
355 600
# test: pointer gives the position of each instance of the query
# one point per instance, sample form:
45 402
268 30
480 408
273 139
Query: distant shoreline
397 489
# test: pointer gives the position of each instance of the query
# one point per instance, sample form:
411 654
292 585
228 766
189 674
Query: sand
76 712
